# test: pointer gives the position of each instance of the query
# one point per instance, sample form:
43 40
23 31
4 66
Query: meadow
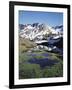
38 64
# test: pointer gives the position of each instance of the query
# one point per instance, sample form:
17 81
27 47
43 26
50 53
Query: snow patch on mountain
38 31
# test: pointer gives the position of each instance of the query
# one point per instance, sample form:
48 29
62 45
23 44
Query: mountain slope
37 32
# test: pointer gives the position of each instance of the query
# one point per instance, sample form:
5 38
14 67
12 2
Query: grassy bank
33 70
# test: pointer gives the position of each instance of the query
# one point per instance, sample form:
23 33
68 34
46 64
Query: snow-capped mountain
59 29
44 36
38 31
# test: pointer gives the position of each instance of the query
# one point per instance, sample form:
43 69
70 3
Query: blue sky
50 18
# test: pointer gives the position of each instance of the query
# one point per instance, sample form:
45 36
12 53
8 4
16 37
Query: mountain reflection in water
43 62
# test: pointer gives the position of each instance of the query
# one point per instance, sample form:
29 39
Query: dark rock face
21 26
59 44
35 24
61 26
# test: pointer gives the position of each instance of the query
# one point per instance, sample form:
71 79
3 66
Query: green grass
34 71
39 57
54 71
25 45
27 70
23 57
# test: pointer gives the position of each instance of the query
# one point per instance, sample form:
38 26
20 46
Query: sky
49 18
